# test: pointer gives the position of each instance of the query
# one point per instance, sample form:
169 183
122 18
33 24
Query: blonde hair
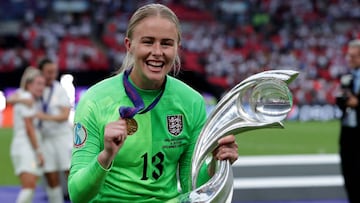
28 76
354 43
142 13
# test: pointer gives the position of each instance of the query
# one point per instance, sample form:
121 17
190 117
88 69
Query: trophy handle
261 101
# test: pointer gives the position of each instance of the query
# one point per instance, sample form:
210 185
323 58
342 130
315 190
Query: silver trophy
263 100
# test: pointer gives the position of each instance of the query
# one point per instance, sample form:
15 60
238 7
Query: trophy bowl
261 101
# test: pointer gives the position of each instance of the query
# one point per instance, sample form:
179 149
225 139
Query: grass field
7 176
295 138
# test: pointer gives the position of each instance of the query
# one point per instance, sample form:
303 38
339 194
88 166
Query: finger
117 140
122 127
120 138
227 140
119 125
115 128
224 148
233 147
227 153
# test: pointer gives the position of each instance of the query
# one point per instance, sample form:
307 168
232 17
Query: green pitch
7 176
295 138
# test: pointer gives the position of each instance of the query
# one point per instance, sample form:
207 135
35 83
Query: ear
179 48
127 43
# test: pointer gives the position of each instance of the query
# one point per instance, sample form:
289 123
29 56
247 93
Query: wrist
38 151
105 159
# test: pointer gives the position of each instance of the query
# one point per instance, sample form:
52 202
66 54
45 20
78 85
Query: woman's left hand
41 115
227 149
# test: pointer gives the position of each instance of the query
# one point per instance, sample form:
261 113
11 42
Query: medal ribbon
45 104
129 112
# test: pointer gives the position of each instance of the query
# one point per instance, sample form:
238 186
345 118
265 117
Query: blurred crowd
226 41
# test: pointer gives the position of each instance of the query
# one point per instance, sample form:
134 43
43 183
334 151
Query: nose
157 49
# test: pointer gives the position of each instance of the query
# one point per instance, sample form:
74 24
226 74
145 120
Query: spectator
350 123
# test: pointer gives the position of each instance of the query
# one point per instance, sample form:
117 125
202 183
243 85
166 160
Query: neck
34 96
144 83
49 84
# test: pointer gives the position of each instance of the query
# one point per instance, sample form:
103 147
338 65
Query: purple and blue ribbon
139 106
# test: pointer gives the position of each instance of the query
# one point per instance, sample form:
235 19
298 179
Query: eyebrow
152 38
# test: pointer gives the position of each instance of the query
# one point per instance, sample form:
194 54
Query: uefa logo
80 135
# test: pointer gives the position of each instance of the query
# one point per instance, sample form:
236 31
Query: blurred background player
56 131
26 153
53 110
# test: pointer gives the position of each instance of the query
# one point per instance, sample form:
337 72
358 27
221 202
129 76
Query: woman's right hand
40 158
115 134
27 102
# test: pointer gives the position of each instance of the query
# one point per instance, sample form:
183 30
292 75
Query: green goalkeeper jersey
145 168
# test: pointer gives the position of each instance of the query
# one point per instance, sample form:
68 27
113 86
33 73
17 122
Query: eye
147 41
167 43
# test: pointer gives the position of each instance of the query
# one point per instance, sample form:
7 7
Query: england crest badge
175 124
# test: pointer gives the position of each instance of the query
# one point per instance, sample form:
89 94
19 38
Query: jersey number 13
157 160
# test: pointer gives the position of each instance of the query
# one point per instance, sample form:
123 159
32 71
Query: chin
157 78
159 73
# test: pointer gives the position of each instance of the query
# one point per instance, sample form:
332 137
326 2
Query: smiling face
154 45
50 72
36 86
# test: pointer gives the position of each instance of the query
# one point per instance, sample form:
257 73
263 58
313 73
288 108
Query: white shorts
24 159
57 153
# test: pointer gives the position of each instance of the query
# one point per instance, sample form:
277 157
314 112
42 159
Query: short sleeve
25 110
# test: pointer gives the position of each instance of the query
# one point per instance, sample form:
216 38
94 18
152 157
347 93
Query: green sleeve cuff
102 168
86 183
93 175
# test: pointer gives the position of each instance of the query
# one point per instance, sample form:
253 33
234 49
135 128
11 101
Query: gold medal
131 125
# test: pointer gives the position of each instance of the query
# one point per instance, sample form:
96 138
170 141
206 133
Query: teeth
155 63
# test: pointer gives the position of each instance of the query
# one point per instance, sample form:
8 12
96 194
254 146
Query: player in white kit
56 131
25 151
53 111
